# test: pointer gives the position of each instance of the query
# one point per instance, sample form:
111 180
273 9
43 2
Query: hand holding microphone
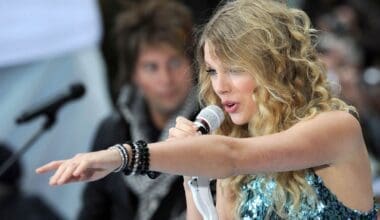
207 121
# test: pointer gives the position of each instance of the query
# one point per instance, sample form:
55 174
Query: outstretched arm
325 139
328 138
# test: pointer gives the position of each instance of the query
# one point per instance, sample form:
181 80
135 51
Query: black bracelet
140 160
145 157
153 174
137 159
143 163
128 168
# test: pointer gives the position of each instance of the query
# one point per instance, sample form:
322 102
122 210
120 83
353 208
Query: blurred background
47 45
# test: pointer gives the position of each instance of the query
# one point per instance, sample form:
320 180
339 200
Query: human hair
277 45
150 23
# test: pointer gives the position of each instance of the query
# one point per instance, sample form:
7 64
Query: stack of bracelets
138 162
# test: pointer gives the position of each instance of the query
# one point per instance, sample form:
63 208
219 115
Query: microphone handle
200 190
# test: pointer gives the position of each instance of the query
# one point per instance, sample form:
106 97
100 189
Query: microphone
207 121
48 108
51 106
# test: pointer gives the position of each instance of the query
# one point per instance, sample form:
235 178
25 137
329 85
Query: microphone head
212 115
77 90
50 107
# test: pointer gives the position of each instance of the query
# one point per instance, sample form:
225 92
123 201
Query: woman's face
233 86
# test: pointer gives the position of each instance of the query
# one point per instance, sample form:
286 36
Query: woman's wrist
133 159
115 159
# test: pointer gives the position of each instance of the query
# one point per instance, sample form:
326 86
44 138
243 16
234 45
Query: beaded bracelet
143 163
140 160
136 157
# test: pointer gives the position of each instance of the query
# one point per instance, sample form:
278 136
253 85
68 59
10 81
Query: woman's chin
239 121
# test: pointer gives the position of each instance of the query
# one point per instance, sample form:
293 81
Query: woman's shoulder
334 115
334 130
343 129
340 121
336 122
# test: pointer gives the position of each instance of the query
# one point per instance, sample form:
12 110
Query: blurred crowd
110 46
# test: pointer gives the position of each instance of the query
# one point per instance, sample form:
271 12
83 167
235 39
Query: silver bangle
125 154
121 156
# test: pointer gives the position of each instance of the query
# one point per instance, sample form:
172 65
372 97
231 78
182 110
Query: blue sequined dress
257 200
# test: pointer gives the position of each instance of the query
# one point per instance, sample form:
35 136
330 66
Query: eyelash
211 72
235 71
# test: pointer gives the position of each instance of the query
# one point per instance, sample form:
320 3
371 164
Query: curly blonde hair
277 44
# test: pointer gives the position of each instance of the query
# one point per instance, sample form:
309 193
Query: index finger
183 120
50 166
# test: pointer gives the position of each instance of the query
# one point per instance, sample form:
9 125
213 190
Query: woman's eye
235 71
211 72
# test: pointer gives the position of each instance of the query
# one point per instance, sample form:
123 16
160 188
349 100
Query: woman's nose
221 83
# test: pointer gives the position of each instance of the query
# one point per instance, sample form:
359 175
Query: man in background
155 81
